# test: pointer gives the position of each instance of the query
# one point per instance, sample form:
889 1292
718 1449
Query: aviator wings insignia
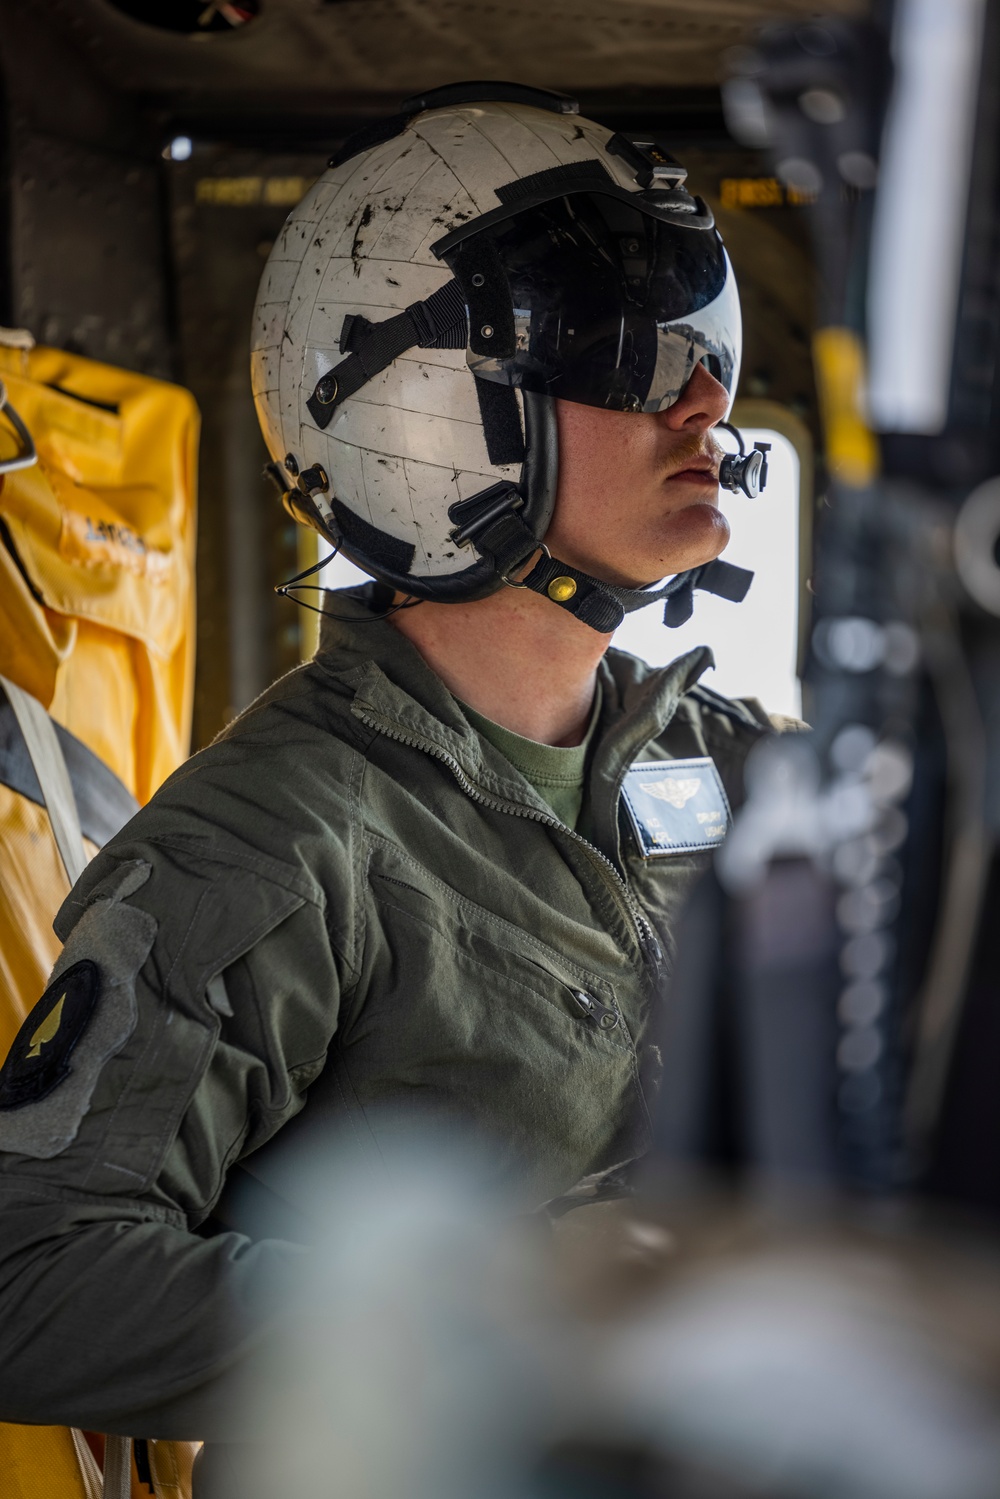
675 806
673 789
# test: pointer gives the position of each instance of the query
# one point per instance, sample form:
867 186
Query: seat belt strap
53 777
117 1467
90 1473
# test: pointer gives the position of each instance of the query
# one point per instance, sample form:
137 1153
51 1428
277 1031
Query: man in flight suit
434 872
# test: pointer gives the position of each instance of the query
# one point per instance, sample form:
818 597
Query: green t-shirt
557 773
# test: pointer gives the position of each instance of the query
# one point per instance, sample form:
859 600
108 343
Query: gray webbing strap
90 1473
117 1467
53 777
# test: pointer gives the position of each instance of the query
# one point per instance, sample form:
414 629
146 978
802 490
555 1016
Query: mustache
694 449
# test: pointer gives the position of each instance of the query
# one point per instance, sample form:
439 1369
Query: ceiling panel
398 46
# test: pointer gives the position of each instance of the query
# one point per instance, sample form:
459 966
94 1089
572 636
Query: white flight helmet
454 269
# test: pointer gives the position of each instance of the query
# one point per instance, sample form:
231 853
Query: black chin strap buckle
744 471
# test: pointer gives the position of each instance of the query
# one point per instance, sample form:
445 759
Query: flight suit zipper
639 926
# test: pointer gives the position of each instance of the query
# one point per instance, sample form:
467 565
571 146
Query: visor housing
613 306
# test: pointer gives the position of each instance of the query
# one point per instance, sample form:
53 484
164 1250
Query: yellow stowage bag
52 1462
41 1462
96 605
102 630
97 622
33 886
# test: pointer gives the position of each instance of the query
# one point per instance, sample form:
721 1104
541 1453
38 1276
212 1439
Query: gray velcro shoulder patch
85 1016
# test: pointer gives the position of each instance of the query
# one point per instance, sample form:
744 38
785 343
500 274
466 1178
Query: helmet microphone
744 471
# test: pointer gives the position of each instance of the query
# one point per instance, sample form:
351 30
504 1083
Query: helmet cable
296 585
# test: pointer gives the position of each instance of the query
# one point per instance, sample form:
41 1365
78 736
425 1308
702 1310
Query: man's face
638 495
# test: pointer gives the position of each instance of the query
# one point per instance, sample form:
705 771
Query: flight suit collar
640 702
395 686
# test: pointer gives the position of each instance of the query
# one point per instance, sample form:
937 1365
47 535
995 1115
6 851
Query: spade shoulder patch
676 806
39 1059
84 1018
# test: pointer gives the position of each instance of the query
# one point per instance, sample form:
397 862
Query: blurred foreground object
833 1013
438 1352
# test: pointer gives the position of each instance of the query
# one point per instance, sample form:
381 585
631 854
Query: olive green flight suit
352 897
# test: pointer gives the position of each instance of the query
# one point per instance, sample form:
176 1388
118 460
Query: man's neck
516 658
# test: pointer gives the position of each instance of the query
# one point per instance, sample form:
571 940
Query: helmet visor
613 307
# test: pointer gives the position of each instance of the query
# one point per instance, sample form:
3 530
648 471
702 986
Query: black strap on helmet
439 322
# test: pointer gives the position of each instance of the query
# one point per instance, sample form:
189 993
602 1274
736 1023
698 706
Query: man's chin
684 539
690 537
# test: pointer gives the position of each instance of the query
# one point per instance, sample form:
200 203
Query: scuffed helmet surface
410 442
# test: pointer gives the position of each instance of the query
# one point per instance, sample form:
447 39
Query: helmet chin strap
491 522
494 525
603 605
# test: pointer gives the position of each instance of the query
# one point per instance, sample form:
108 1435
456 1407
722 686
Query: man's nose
702 403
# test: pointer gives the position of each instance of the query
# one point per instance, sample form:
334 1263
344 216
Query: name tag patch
676 806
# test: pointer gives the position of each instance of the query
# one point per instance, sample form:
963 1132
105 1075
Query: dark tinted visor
613 307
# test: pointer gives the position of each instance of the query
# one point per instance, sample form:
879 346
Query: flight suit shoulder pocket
106 1067
222 914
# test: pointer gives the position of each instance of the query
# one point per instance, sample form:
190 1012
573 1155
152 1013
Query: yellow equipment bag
53 1462
42 1462
96 606
97 578
97 626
